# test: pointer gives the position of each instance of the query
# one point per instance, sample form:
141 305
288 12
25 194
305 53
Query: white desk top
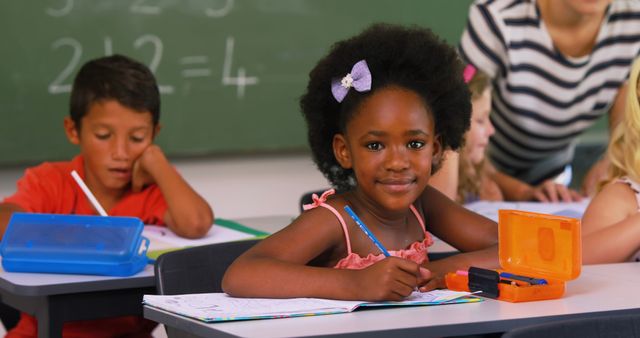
600 288
38 284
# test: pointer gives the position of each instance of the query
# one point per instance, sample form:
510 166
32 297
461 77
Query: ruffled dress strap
321 202
428 240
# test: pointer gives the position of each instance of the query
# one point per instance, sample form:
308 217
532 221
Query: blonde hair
624 144
469 174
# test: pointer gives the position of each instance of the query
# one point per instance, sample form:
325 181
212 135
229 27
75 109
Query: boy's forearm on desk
191 215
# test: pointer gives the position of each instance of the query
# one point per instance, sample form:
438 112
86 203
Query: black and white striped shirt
542 100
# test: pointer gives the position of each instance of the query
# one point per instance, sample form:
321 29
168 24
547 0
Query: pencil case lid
48 242
539 245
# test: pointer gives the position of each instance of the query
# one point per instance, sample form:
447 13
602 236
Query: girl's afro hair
410 57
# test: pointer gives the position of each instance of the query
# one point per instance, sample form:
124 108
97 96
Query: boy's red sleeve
35 191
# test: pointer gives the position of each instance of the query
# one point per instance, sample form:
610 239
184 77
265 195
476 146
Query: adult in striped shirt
556 67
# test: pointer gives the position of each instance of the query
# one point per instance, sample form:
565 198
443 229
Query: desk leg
53 311
49 322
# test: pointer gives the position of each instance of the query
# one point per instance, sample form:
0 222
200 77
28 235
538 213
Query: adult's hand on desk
549 191
514 189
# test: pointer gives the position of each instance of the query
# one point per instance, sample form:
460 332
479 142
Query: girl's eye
415 144
375 146
102 136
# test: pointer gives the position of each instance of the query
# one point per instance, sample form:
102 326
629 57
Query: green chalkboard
230 71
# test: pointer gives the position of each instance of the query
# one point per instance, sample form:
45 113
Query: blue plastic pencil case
74 244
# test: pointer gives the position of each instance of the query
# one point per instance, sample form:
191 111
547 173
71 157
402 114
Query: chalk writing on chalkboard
148 8
190 66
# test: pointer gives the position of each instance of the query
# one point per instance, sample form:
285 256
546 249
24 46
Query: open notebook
219 307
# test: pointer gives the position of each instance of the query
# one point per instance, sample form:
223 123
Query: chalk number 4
241 80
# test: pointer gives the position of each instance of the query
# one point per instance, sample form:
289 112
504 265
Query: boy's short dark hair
115 77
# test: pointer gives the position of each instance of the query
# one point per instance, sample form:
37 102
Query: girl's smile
397 185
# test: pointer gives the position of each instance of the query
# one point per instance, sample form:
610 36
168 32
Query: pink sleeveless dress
416 252
636 189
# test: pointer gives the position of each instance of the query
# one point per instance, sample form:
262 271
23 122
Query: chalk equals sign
198 66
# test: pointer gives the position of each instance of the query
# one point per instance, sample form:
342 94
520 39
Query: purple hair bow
359 78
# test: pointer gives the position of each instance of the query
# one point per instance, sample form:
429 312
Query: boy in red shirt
114 113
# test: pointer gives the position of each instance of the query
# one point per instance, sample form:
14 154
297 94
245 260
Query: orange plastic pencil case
538 253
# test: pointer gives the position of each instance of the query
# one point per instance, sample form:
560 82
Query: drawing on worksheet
162 239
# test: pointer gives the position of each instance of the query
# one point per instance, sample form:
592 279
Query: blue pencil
366 231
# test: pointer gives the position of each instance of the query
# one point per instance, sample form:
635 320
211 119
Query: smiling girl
380 110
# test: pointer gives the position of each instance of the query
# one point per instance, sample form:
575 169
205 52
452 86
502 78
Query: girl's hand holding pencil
398 277
392 278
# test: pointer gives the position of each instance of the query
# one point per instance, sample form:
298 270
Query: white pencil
89 194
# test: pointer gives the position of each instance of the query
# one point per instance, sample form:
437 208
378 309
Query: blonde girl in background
611 223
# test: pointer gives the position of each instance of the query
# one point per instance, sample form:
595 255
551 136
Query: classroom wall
254 186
